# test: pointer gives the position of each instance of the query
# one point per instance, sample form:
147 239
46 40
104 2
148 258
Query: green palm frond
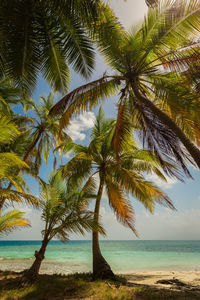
18 197
9 162
54 67
64 208
8 130
43 37
11 221
101 125
120 180
84 98
139 59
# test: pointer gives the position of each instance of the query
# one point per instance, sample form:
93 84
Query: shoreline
66 267
145 278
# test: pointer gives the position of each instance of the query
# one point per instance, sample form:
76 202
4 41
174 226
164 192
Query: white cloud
80 124
162 184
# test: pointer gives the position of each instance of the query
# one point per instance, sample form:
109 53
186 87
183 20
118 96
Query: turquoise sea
124 256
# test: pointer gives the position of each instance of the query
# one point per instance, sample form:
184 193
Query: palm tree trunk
164 118
31 275
101 268
32 145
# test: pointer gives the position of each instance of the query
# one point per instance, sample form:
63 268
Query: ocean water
124 256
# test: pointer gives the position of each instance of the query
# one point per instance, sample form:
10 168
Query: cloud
79 125
162 184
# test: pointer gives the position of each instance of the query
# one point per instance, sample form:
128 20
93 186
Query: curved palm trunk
191 148
101 268
32 145
31 275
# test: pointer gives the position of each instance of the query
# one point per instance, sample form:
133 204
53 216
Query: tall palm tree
63 212
39 134
119 180
149 65
45 37
45 132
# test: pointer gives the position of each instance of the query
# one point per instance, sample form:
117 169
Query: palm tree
39 134
119 180
45 37
149 66
45 132
11 164
12 220
63 212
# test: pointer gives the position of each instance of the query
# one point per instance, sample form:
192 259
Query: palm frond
54 67
84 98
9 131
19 197
12 220
121 206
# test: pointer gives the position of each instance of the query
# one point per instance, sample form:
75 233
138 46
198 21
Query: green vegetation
154 70
63 212
119 176
81 286
149 74
45 37
10 162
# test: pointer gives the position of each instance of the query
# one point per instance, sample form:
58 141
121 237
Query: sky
182 224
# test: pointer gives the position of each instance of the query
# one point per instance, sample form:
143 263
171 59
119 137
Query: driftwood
171 281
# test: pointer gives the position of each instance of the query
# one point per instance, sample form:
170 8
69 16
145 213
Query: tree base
104 275
28 279
103 271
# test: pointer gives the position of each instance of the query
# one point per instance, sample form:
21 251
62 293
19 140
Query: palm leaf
12 220
121 206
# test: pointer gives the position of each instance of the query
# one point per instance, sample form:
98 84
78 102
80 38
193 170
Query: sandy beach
149 278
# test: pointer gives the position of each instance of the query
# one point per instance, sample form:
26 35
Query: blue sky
164 224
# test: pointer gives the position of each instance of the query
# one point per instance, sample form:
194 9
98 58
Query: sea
123 256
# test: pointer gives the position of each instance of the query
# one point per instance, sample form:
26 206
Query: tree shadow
47 287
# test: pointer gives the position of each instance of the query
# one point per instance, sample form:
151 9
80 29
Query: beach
145 278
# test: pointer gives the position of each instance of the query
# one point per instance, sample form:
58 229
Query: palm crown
45 133
155 94
64 208
120 176
119 180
